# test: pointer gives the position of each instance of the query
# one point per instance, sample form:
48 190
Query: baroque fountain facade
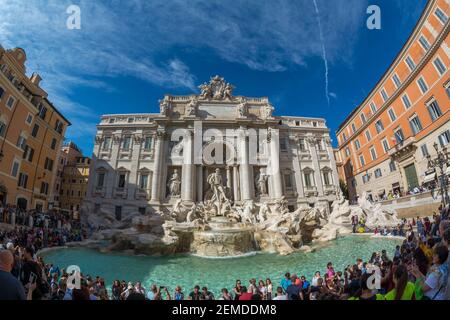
216 175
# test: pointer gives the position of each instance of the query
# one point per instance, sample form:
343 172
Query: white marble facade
142 164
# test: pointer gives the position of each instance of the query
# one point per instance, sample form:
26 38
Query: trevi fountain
151 193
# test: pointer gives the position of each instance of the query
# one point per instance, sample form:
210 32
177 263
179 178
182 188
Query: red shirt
246 296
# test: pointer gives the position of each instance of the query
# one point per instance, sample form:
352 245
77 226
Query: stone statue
228 92
192 214
164 107
281 205
263 212
217 188
261 183
267 111
191 108
242 108
247 214
174 184
206 91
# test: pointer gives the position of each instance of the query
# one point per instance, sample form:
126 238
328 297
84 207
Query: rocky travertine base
241 231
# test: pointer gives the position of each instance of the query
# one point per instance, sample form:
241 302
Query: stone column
187 185
133 178
275 170
332 162
316 165
244 165
237 196
228 169
199 183
157 169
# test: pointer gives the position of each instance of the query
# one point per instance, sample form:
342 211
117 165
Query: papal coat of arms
217 89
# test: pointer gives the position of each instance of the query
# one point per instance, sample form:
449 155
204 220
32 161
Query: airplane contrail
324 52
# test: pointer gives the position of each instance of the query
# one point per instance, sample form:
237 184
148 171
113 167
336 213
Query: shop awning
429 177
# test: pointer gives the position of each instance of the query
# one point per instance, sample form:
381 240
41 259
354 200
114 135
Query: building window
396 80
326 178
378 173
15 169
373 153
399 137
363 118
48 164
385 144
2 128
22 142
357 144
365 178
59 126
392 115
392 166
143 181
434 110
362 161
42 111
29 119
424 42
439 66
373 107
406 101
44 188
23 180
410 63
422 85
384 95
107 143
444 138
415 124
347 152
447 89
35 131
353 127
308 179
53 146
283 144
122 179
10 102
441 15
379 126
288 181
126 144
2 91
368 136
148 143
28 153
344 137
424 150
302 145
100 180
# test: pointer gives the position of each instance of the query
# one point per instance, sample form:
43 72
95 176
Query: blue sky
128 54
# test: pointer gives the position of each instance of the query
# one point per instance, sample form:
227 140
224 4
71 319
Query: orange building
31 134
384 143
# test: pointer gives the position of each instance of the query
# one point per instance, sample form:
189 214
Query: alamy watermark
374 20
73 21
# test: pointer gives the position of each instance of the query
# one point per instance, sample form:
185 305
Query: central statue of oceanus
219 197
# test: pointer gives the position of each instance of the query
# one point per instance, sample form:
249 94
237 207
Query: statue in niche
261 183
175 184
216 184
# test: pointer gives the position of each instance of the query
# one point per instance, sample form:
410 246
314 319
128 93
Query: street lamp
441 160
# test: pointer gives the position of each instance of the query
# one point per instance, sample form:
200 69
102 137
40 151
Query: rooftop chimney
35 79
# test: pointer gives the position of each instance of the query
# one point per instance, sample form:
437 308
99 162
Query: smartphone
32 278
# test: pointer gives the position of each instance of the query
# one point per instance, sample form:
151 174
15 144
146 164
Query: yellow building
74 180
31 134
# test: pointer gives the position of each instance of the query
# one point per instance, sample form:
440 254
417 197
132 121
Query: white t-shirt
280 297
433 282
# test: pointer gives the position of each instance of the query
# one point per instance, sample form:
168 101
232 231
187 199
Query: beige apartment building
74 178
31 134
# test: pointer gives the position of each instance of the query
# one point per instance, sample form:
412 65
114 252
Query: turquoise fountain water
187 271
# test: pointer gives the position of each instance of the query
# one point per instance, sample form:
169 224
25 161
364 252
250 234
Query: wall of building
30 137
354 143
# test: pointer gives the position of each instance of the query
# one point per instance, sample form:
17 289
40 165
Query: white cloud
138 38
